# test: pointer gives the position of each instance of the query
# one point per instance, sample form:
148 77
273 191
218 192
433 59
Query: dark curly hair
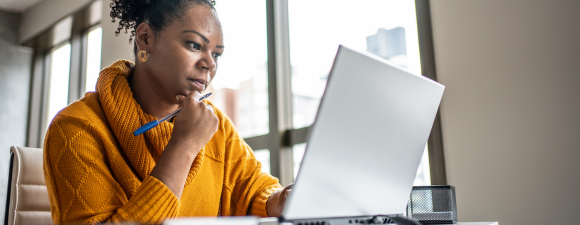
157 13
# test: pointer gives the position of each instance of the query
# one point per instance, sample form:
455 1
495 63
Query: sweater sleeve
250 187
82 188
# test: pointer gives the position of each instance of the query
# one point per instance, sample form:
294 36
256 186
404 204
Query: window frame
427 56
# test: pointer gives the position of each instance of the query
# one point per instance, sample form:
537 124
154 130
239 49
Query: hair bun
158 14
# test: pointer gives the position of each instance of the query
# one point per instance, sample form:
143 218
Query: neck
148 94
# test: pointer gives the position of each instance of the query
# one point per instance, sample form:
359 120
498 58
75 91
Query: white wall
45 14
510 114
114 48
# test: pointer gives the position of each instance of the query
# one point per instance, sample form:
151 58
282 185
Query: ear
144 37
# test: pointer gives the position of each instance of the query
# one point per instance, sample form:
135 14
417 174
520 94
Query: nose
207 62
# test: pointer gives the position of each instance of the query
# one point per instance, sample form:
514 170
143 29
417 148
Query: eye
217 56
194 45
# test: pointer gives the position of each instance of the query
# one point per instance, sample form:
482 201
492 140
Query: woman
96 170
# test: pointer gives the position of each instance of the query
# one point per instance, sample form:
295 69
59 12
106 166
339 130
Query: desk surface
477 223
458 223
271 221
268 221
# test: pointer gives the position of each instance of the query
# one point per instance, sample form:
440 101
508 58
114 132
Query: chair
27 199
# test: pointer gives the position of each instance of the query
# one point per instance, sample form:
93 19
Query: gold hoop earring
142 56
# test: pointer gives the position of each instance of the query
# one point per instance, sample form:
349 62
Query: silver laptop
366 143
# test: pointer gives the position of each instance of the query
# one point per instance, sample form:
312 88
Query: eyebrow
195 32
219 46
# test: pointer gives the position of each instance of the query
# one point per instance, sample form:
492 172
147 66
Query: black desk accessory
433 204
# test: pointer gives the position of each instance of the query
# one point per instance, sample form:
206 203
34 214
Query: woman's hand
196 123
194 126
276 201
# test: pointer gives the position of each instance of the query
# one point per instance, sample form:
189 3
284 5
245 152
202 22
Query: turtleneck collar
125 115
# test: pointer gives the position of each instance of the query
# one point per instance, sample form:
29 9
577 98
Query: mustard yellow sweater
97 171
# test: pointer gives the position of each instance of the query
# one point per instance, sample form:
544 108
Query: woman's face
183 57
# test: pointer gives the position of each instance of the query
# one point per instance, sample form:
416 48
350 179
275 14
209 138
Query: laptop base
341 221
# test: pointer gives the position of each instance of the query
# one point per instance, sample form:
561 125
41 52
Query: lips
200 84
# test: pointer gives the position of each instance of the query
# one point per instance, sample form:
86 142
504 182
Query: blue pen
154 123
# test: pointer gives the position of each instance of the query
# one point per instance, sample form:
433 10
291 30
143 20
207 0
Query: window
241 85
263 156
298 154
385 28
94 42
60 66
423 176
58 81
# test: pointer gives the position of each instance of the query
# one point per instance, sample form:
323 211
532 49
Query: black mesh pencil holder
433 204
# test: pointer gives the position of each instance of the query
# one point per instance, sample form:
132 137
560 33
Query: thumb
287 193
179 98
289 187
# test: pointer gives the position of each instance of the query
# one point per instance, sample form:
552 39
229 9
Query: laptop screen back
367 141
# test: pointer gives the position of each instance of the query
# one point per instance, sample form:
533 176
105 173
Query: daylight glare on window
59 81
385 28
240 86
263 156
93 58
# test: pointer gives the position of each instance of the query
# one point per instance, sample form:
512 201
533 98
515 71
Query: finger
194 95
289 187
210 108
180 98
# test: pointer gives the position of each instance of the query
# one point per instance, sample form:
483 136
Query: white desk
270 221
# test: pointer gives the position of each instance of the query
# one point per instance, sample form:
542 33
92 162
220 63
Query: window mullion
279 90
427 54
273 137
284 88
76 72
44 100
83 65
283 65
296 136
258 142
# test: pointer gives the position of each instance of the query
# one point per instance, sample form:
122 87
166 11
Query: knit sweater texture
96 170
